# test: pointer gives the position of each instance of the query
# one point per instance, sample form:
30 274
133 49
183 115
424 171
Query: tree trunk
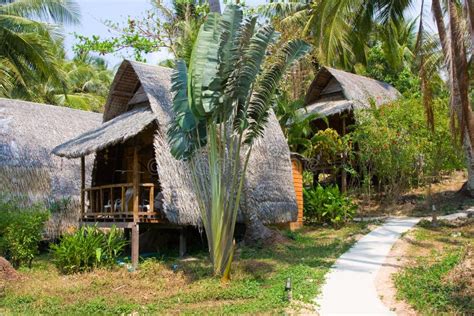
470 15
456 63
460 70
215 6
469 186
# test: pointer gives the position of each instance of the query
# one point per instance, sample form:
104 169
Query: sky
95 12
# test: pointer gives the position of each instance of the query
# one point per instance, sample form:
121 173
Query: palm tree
454 49
27 53
339 29
222 103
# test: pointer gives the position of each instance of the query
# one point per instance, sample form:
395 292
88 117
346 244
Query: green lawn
258 282
438 279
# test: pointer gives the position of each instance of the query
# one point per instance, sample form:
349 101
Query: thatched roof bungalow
28 133
335 94
132 140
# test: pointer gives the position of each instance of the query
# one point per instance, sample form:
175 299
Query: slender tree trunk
456 63
215 6
470 16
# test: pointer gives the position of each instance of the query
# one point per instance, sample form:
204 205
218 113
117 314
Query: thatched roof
335 91
269 183
28 133
115 131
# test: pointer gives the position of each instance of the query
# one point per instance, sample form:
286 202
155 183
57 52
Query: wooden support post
135 245
83 187
136 184
112 206
344 160
182 242
152 198
122 205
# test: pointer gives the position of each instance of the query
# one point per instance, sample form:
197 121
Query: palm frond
59 11
261 99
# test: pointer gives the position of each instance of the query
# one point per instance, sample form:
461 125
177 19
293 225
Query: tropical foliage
160 29
88 248
29 46
21 230
396 150
327 206
223 100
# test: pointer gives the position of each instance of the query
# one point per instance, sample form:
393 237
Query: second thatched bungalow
136 181
336 94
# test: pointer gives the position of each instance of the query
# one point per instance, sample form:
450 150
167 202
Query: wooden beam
135 245
108 224
83 186
122 94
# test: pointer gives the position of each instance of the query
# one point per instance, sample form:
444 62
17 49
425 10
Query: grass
437 280
186 286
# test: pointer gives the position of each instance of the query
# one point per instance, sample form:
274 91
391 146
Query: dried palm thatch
335 91
28 133
28 170
269 185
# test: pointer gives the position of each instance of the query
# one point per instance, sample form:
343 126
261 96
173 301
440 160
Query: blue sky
94 12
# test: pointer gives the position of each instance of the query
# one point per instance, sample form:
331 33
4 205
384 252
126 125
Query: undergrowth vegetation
395 150
88 248
439 278
327 205
169 285
21 230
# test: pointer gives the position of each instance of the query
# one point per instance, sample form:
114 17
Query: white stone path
350 285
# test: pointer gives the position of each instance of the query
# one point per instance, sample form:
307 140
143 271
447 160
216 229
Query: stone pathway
350 285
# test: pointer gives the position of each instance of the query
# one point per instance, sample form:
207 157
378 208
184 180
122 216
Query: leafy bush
87 248
21 230
396 151
327 205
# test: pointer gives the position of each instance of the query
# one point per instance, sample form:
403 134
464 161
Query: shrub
396 151
327 205
21 230
87 248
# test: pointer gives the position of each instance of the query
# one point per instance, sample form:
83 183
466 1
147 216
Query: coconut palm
27 53
222 103
339 29
454 38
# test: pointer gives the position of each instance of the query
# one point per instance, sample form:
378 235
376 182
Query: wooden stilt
182 242
344 172
135 230
135 245
83 187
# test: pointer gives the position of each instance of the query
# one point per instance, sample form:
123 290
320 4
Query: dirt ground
445 195
397 259
416 244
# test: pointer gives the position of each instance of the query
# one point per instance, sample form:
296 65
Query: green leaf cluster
327 205
88 248
221 104
21 230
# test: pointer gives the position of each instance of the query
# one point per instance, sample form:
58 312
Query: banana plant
221 104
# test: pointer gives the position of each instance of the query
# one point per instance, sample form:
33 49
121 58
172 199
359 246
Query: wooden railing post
152 198
83 187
